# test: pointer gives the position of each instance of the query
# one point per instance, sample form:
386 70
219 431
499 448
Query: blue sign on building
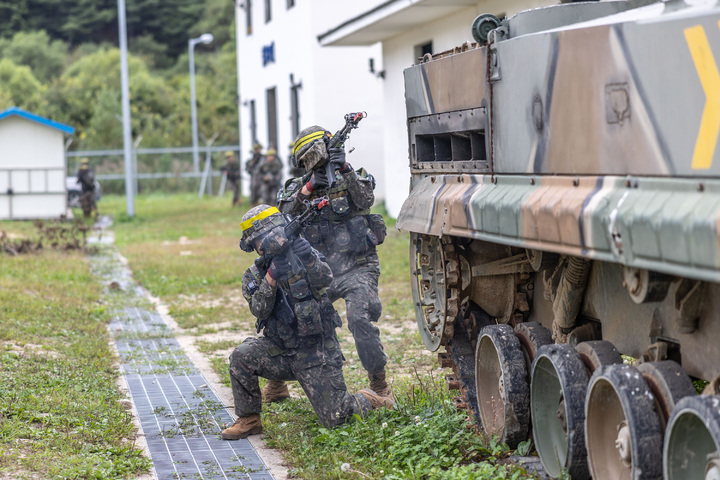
268 54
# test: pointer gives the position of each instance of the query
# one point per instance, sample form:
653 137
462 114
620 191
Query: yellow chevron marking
710 79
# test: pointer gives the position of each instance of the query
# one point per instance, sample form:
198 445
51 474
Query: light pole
204 38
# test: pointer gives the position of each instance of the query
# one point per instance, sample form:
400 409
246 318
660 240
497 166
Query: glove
337 157
279 267
302 249
318 180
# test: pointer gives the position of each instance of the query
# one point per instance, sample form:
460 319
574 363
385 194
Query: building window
290 4
248 17
271 98
422 49
253 122
294 106
268 10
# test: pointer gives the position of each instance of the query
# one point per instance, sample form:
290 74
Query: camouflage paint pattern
317 367
597 139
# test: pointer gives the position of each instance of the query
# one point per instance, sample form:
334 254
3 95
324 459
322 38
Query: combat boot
243 427
275 391
376 400
379 385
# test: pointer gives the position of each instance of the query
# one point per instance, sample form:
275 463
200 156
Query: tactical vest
308 315
341 226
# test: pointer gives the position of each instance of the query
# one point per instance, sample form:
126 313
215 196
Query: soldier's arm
360 188
319 273
259 295
292 197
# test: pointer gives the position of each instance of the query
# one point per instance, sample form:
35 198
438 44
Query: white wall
399 54
32 164
335 81
27 144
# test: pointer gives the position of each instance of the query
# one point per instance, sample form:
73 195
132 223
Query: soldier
347 234
270 173
251 167
86 179
231 169
284 288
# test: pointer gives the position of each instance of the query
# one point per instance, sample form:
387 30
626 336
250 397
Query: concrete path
179 413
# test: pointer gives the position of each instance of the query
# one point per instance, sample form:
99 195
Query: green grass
184 250
59 410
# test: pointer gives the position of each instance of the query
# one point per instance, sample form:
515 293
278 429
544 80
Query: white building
32 166
408 29
287 81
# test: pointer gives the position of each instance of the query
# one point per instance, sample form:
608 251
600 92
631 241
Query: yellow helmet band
264 214
309 138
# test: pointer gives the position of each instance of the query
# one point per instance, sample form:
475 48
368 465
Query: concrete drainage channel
179 413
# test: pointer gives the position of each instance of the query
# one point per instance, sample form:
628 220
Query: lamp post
204 38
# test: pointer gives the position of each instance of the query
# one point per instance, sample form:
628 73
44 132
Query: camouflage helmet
308 151
257 222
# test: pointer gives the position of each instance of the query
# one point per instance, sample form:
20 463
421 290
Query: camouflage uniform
298 343
347 234
269 172
232 171
86 179
251 167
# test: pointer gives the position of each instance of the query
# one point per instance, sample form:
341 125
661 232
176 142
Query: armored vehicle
564 213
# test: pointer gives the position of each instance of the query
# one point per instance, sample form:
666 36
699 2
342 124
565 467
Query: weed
59 410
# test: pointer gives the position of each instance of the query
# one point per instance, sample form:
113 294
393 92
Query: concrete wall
335 81
32 166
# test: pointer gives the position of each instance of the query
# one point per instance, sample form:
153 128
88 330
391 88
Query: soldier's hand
279 267
273 242
302 249
319 180
337 158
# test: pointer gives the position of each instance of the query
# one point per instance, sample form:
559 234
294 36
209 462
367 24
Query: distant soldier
86 179
251 167
346 233
285 291
231 169
270 171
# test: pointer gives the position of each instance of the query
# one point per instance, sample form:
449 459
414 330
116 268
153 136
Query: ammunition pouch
309 320
282 329
377 226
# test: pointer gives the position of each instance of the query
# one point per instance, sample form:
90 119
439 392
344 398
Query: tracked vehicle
564 212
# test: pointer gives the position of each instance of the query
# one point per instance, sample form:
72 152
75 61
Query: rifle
351 122
292 230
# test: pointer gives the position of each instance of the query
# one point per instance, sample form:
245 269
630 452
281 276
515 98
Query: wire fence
169 170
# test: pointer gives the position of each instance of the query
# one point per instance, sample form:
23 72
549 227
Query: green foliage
424 437
45 58
20 88
59 410
60 61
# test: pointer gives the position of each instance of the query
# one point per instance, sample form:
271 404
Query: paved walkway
180 415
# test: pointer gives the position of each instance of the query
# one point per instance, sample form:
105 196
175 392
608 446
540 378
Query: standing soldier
231 169
86 179
285 289
270 171
347 234
251 168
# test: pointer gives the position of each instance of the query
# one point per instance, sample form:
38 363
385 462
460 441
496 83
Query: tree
12 13
19 88
35 50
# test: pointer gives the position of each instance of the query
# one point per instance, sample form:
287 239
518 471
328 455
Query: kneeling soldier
285 288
